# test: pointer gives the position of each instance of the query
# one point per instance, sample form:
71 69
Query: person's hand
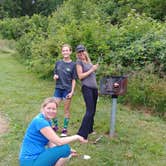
55 77
51 145
94 67
82 139
69 95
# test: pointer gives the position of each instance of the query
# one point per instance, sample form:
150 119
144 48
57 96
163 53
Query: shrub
138 41
146 89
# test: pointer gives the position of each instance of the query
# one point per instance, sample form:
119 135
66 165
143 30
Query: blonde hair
88 60
47 101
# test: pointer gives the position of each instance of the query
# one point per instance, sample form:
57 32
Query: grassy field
140 140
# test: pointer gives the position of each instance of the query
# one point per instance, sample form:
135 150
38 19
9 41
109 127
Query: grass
140 139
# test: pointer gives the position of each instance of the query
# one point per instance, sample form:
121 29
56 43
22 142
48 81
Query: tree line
18 8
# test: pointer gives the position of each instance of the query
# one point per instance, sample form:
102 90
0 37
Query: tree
46 7
10 8
18 8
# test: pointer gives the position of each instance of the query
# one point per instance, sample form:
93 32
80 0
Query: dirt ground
3 125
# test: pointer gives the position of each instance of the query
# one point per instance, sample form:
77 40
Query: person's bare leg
58 100
61 161
55 120
66 116
67 103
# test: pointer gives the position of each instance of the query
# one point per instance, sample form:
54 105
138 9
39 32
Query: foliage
139 40
19 8
147 90
44 54
140 137
36 32
17 27
45 7
10 8
118 10
156 9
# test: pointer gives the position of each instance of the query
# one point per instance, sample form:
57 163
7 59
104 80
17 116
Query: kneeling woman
41 145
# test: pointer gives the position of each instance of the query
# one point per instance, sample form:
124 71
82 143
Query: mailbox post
113 86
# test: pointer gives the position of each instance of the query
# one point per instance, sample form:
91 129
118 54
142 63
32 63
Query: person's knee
89 115
66 150
67 115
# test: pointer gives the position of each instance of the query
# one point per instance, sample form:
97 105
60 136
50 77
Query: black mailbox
113 85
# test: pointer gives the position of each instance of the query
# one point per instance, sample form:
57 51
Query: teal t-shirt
34 142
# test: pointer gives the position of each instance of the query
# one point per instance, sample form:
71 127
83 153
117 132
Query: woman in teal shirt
41 145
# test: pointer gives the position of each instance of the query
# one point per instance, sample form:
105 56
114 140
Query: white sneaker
64 133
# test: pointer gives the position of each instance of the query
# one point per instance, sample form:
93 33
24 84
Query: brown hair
67 45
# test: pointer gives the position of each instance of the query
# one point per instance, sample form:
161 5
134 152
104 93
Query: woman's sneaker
93 133
55 128
64 132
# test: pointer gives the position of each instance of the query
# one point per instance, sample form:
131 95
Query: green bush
35 33
14 28
148 90
118 10
138 41
44 55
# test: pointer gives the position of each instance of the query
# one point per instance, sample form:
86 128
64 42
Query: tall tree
46 7
17 8
10 8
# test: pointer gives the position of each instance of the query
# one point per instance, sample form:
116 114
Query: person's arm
50 144
55 139
72 89
55 77
81 74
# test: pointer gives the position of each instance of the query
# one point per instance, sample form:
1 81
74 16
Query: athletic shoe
64 132
93 133
55 128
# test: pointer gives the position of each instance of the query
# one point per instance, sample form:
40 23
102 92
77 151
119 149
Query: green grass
140 140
